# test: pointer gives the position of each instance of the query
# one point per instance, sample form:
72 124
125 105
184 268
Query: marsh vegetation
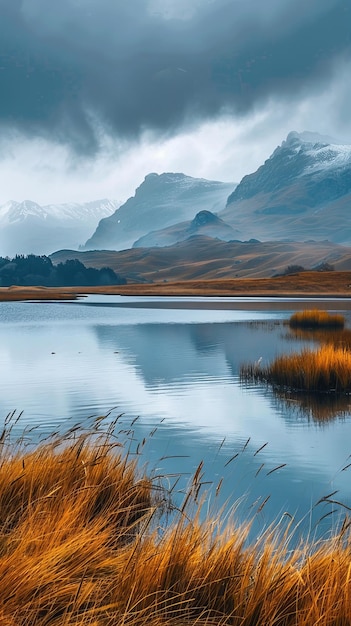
315 318
85 540
324 369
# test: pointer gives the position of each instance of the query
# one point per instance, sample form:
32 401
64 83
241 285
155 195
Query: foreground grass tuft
316 319
326 369
78 547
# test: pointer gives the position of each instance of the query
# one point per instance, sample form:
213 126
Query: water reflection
179 372
170 352
337 338
319 407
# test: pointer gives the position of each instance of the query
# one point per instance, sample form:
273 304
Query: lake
169 368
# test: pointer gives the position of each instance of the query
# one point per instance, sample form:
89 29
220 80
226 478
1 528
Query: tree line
39 270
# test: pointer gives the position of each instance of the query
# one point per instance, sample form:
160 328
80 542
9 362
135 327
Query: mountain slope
27 227
204 223
160 201
302 191
207 258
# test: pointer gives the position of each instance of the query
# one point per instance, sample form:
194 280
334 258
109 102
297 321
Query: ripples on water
177 370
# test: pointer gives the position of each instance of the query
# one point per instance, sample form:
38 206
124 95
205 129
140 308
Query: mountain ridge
27 227
204 223
302 190
159 202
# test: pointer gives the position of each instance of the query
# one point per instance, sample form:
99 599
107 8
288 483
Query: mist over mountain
27 227
160 201
204 223
302 191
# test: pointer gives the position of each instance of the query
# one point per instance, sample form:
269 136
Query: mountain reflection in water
177 371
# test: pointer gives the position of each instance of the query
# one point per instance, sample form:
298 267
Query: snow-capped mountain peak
306 176
321 151
27 226
329 156
20 211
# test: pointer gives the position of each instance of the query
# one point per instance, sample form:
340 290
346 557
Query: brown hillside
320 284
206 258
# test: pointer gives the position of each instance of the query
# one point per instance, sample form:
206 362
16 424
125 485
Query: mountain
302 191
208 258
161 201
27 227
204 223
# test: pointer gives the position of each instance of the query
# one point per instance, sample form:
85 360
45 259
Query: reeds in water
315 318
325 369
78 548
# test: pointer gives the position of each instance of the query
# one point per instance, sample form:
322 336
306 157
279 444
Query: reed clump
315 318
78 547
326 369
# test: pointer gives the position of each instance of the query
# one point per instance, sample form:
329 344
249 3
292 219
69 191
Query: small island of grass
327 369
314 318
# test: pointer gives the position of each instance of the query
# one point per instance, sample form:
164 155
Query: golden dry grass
330 284
78 547
315 318
326 369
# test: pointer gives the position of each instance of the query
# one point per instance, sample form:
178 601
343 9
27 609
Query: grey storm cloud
74 69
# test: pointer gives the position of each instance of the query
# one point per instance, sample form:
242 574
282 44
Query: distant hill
204 223
302 191
207 258
27 227
160 201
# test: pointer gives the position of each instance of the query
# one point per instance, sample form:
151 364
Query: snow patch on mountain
27 227
302 191
331 156
322 151
13 211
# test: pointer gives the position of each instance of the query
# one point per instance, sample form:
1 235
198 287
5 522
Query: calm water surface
174 364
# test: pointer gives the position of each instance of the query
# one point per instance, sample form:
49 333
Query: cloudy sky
95 94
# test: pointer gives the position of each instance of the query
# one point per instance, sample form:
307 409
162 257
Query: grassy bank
81 543
332 284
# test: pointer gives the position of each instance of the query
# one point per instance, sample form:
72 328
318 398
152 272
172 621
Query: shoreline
304 285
